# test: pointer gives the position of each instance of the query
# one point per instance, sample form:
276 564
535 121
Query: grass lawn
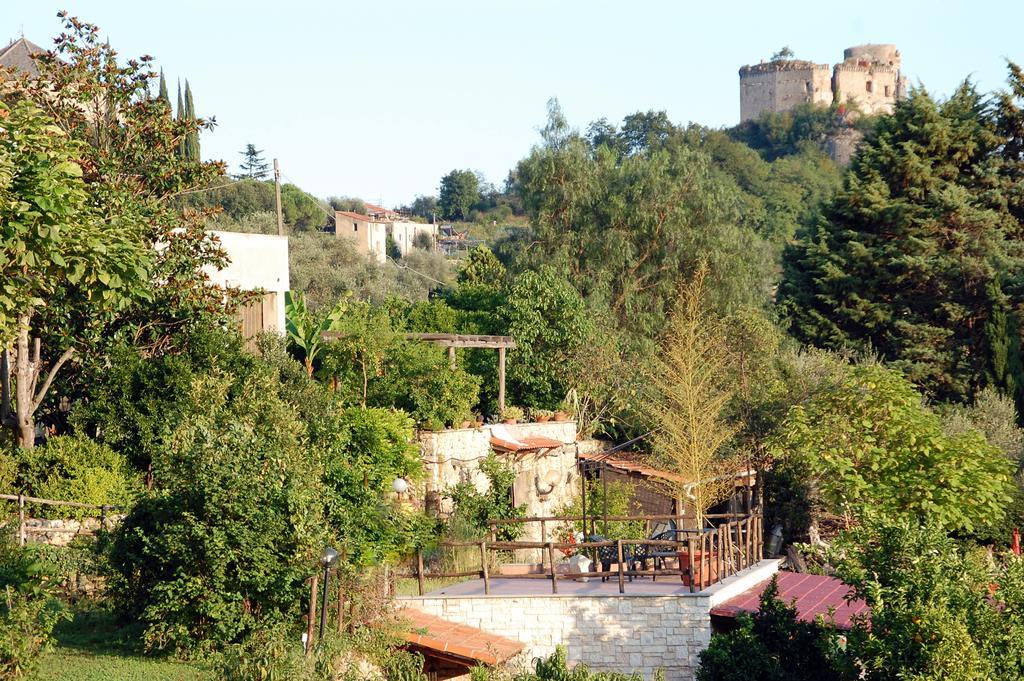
94 647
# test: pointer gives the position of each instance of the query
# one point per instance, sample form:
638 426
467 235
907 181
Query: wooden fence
706 557
24 501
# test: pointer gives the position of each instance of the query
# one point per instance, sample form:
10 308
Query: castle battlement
869 77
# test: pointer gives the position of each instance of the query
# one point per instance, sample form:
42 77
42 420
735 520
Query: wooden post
689 560
483 568
277 191
103 517
419 570
21 519
703 564
544 539
501 379
551 560
312 614
451 356
721 553
622 583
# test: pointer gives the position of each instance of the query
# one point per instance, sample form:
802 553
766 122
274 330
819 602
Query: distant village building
869 77
368 235
369 232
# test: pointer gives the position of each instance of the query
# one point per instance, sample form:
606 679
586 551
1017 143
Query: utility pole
277 190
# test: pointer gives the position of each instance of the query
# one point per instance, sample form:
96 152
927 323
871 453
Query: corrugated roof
630 462
456 640
505 440
812 595
18 56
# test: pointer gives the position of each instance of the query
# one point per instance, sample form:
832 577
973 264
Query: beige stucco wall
544 481
608 632
369 237
257 261
404 233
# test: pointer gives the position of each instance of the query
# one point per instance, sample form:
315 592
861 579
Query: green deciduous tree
872 448
460 189
54 237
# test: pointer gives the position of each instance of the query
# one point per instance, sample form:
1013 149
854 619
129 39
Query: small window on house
868 86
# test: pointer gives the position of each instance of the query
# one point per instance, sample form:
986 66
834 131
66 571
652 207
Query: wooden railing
23 501
732 546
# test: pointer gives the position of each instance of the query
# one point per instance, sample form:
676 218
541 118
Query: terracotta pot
510 422
707 569
478 424
466 424
561 416
542 419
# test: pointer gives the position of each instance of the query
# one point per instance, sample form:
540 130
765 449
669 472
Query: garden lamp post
401 486
327 559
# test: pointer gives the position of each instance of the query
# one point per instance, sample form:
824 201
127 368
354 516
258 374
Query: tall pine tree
180 117
910 259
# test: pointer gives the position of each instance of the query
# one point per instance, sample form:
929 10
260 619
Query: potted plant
513 415
542 415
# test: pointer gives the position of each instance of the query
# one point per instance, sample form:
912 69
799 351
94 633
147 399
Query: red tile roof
505 440
629 463
354 216
456 640
813 596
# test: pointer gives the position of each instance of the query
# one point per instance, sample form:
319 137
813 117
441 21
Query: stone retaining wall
624 633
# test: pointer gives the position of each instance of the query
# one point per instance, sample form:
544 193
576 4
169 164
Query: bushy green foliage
778 134
460 190
28 614
374 446
620 496
551 325
481 268
872 448
473 509
774 645
628 230
75 468
939 609
223 545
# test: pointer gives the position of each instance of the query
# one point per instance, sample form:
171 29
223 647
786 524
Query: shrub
775 646
873 448
27 612
234 527
473 509
76 468
556 668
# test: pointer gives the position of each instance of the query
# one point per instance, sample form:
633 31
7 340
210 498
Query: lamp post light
401 486
328 558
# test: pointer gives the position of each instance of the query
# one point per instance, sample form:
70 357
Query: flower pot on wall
705 566
561 416
510 422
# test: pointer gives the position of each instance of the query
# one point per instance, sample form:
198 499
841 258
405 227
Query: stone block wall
544 480
624 633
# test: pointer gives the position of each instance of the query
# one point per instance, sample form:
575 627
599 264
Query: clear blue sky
380 98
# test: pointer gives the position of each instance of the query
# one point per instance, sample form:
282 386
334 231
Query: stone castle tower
869 76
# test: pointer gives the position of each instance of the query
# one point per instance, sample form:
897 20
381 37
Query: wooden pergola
458 340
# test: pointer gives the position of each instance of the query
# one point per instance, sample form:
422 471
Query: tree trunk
24 375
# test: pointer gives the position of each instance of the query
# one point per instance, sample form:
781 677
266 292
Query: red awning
812 595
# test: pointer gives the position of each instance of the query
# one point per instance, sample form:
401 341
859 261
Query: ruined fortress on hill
869 76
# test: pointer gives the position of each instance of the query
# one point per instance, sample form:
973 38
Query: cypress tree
192 138
908 258
164 96
180 117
